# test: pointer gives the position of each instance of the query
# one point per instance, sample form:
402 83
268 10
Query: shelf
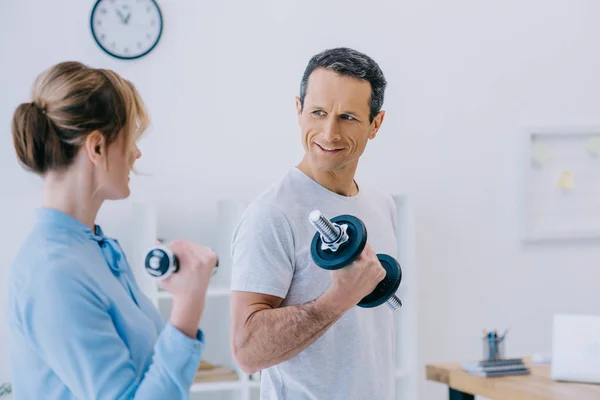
254 384
223 386
219 292
212 292
400 373
237 385
139 231
215 386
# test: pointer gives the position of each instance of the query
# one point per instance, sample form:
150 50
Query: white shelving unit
408 368
136 228
215 325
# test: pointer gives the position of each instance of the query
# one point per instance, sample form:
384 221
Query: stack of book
208 372
511 366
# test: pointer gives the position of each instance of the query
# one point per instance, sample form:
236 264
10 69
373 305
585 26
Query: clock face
126 29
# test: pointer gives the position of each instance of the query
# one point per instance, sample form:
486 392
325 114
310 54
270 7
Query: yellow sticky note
540 153
593 145
565 180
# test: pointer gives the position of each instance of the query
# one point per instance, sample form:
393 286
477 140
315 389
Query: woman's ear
95 146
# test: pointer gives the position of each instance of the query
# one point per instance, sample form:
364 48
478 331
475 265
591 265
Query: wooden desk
536 386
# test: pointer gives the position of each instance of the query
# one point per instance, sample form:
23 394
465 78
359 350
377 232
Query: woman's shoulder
46 256
51 266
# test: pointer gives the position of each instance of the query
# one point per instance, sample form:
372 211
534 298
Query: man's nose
331 129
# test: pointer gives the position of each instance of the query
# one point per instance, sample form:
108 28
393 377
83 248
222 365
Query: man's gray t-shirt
355 357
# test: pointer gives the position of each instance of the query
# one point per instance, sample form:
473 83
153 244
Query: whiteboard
562 185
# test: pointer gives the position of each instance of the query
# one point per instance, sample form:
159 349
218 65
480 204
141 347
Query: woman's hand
189 284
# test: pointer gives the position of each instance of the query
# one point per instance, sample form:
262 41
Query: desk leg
458 395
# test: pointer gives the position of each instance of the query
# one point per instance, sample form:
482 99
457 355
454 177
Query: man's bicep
262 252
245 304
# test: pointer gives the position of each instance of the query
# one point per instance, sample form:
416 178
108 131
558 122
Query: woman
80 326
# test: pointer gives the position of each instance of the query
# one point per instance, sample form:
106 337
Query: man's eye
319 112
347 117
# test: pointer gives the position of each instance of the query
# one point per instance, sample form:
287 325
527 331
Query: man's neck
339 181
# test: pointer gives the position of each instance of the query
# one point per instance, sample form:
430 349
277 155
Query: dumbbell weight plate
348 252
388 286
160 262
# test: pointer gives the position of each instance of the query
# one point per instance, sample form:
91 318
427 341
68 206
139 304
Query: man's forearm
273 335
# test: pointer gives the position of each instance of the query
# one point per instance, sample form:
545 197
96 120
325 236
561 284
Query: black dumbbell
160 262
339 241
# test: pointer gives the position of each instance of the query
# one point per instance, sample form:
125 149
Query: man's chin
321 166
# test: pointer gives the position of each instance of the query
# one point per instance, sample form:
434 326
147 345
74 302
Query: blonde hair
69 101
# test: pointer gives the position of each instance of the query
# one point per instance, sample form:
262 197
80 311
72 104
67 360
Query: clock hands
124 19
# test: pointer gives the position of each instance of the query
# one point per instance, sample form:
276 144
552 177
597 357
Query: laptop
576 348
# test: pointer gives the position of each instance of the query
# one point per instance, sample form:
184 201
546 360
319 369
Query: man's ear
95 147
298 108
376 124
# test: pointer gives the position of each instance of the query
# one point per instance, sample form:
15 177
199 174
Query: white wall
464 78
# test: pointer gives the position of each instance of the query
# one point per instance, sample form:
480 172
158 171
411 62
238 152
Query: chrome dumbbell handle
332 235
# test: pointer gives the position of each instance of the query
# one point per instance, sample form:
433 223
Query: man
296 322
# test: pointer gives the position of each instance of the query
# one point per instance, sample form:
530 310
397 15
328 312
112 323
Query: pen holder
493 346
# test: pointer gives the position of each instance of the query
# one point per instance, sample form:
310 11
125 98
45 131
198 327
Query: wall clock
126 29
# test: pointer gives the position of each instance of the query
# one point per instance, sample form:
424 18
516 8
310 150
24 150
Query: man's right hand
352 283
265 334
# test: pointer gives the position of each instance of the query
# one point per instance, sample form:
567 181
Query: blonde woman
80 326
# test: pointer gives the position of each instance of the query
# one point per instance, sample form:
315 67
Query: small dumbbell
160 262
339 241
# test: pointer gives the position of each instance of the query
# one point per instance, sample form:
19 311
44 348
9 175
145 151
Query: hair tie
41 109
